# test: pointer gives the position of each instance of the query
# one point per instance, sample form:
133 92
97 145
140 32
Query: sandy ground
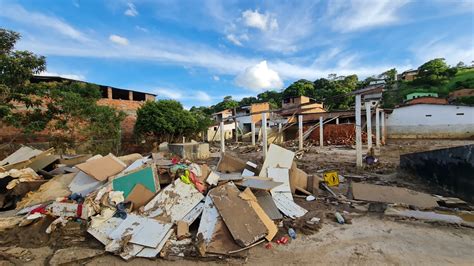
369 240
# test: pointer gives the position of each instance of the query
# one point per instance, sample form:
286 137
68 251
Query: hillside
395 95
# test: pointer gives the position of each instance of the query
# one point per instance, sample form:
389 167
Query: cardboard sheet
265 201
102 168
376 193
139 196
230 164
238 215
298 178
277 157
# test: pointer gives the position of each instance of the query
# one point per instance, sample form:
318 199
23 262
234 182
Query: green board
127 182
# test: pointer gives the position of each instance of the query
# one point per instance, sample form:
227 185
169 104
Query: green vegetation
68 110
166 120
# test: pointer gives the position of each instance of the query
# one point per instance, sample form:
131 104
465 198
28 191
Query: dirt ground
371 238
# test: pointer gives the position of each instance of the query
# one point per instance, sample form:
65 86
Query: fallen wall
451 168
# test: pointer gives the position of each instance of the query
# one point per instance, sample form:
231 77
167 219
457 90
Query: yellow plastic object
331 178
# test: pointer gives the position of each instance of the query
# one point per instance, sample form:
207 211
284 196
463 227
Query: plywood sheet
139 163
229 176
102 231
102 168
376 193
22 154
287 206
238 215
174 201
271 227
265 200
277 157
229 164
153 252
298 178
194 213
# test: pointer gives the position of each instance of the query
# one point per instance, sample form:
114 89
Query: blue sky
200 51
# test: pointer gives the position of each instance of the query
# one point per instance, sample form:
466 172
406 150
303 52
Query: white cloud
259 77
118 39
168 93
260 21
131 11
453 50
39 20
68 76
143 29
216 78
361 14
202 96
233 39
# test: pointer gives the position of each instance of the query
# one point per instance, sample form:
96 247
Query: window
460 114
428 115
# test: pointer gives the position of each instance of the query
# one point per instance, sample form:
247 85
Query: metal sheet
287 206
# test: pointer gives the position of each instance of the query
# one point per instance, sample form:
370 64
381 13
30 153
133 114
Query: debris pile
164 206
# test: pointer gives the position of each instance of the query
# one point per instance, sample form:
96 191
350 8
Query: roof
370 89
38 78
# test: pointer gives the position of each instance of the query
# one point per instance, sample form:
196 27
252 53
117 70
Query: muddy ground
371 238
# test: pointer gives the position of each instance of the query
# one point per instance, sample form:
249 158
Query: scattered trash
310 198
292 233
339 218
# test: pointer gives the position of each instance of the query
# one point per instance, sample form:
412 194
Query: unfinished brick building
125 100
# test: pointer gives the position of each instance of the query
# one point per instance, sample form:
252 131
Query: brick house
125 100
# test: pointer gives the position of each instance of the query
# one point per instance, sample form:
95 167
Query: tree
67 109
301 87
166 120
389 75
248 101
227 103
460 64
434 72
274 98
335 93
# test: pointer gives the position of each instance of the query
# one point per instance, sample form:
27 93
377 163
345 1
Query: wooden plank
174 201
268 205
281 175
22 154
269 224
229 176
239 216
287 206
298 178
194 214
376 193
208 220
277 157
258 183
153 252
102 231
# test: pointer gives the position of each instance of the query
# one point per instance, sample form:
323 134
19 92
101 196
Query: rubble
165 206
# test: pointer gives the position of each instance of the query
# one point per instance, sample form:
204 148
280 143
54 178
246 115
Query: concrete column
222 137
252 127
300 132
236 125
337 120
321 132
109 93
368 117
377 127
384 132
264 135
280 132
130 95
358 131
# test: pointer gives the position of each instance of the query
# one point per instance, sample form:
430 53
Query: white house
431 121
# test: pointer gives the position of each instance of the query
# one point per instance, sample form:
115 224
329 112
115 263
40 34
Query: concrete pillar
321 132
222 137
384 132
252 128
236 126
109 93
264 135
377 127
280 132
130 95
300 132
368 116
337 120
358 131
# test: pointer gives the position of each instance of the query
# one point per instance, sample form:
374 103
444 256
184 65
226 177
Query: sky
197 52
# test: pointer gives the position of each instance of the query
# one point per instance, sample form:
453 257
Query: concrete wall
228 132
431 121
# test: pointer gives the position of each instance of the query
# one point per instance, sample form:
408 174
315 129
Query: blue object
292 233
